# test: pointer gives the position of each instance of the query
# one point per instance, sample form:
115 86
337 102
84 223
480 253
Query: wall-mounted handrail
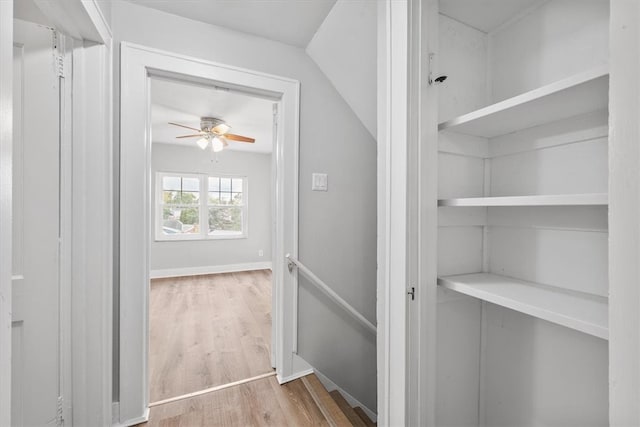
291 261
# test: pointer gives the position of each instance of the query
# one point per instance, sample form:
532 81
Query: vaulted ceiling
289 21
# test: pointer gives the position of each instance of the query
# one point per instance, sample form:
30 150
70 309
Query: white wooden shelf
588 314
544 200
573 96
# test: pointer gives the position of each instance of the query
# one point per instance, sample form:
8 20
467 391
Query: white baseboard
209 269
353 402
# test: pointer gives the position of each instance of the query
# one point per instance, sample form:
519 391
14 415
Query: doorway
210 297
139 66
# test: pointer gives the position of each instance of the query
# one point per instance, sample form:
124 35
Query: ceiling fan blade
186 127
192 136
239 138
224 140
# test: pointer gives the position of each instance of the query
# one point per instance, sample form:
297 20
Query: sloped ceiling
345 49
289 21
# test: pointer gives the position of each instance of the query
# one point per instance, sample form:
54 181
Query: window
225 206
196 206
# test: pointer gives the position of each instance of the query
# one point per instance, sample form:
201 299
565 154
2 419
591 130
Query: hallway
214 332
207 331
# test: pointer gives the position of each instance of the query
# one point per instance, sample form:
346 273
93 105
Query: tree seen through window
188 202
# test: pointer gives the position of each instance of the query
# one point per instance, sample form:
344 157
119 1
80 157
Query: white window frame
244 206
204 205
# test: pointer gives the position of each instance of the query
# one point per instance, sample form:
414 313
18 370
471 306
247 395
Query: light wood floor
207 331
259 403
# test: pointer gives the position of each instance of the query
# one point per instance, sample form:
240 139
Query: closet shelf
585 313
578 94
544 200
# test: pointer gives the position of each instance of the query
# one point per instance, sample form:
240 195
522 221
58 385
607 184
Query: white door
36 230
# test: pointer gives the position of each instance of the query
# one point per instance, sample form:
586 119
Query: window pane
214 184
236 185
190 198
225 198
236 198
225 184
190 184
225 221
180 221
214 198
171 183
171 197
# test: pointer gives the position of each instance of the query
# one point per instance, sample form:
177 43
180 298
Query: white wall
539 374
198 255
555 41
337 229
462 57
105 8
344 47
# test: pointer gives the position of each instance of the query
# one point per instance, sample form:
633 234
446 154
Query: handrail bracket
290 263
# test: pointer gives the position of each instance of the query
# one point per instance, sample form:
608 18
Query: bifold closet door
35 387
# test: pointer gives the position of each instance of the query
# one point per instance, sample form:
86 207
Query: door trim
393 27
6 184
92 246
138 64
624 211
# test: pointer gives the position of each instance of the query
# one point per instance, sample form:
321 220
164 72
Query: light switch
319 182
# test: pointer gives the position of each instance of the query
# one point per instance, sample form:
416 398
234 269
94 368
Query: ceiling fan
213 130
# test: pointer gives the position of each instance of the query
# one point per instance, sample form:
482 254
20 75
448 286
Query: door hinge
60 414
412 292
56 50
60 60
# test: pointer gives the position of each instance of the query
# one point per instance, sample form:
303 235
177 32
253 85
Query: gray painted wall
337 229
105 8
345 49
204 253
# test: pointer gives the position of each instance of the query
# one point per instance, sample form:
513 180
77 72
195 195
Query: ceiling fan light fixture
215 130
217 144
203 142
221 129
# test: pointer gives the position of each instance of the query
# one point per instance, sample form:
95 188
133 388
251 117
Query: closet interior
522 212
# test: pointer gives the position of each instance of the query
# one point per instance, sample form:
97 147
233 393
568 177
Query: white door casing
138 64
624 214
36 327
392 313
6 166
274 221
422 216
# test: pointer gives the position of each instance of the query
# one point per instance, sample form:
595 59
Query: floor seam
211 389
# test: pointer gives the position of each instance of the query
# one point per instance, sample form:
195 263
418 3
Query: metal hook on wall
438 79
